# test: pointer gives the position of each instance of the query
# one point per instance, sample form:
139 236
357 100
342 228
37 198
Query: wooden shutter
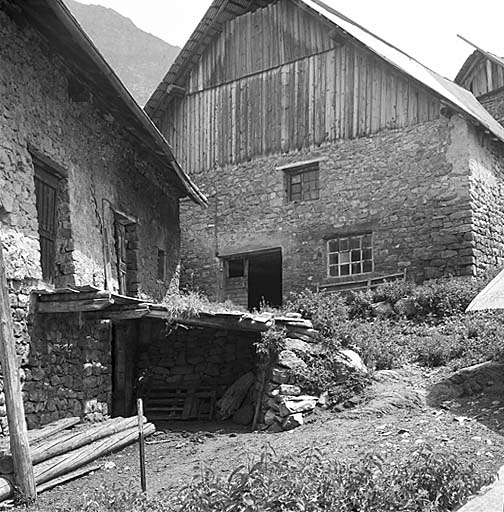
46 191
122 265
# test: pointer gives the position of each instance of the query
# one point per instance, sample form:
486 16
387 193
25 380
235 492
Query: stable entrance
253 279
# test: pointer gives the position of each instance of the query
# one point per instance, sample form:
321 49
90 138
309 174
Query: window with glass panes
350 255
303 182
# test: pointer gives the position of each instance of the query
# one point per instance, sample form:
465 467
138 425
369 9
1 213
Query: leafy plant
426 481
326 311
271 343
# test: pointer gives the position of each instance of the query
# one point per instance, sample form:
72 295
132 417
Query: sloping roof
474 58
491 297
54 21
457 97
108 305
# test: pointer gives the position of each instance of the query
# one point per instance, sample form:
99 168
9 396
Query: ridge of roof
477 54
458 97
63 16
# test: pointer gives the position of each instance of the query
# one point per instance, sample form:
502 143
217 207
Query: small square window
236 268
303 182
350 255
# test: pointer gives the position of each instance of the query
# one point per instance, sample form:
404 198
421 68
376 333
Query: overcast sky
425 29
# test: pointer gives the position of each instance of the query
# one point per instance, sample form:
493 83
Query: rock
295 406
323 399
300 346
270 417
293 315
382 309
287 389
355 362
280 375
271 403
293 421
275 428
244 415
405 307
290 360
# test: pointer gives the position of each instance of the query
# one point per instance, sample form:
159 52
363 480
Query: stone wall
101 165
410 187
494 103
194 358
487 197
66 365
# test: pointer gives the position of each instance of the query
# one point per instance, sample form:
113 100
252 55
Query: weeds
426 481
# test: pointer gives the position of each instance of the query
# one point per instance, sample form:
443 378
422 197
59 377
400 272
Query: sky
426 29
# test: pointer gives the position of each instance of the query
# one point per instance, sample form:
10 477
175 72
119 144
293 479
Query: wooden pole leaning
20 448
141 443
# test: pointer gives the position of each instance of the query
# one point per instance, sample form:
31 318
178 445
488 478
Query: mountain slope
140 59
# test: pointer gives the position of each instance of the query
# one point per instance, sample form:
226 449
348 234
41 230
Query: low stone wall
196 357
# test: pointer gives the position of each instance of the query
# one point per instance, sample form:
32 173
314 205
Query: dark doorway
265 279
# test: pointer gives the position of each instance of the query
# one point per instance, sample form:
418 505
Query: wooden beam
19 445
118 315
74 306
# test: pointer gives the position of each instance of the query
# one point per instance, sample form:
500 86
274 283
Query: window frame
347 245
306 192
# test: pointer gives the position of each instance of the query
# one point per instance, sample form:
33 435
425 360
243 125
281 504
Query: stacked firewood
61 450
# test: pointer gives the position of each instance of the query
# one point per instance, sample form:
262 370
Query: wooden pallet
180 404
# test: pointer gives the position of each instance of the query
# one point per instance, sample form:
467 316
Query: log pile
61 450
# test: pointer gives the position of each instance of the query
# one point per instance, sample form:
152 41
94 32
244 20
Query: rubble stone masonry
101 169
413 188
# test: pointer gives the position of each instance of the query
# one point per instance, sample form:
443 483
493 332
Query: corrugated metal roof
491 297
456 96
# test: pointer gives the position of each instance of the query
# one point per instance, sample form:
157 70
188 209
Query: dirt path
394 420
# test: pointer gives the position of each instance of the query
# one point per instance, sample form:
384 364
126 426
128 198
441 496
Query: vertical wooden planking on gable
330 96
284 105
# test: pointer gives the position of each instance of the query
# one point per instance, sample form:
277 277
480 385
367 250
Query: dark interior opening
265 279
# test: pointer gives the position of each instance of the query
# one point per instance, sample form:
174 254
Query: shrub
426 481
433 300
325 310
270 344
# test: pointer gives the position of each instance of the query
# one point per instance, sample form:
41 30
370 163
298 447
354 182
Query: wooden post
141 444
20 448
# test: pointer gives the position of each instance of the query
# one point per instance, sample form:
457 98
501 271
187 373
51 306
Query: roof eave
64 16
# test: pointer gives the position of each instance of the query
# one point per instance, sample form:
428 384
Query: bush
434 300
325 310
426 481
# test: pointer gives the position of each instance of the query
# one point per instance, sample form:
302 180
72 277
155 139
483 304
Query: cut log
66 478
39 434
71 461
75 459
73 440
235 395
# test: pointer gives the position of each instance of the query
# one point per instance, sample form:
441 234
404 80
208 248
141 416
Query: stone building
331 159
89 196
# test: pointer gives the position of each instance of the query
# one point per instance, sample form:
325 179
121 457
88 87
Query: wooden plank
73 306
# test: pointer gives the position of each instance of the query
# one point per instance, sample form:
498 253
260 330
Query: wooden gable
282 78
481 74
